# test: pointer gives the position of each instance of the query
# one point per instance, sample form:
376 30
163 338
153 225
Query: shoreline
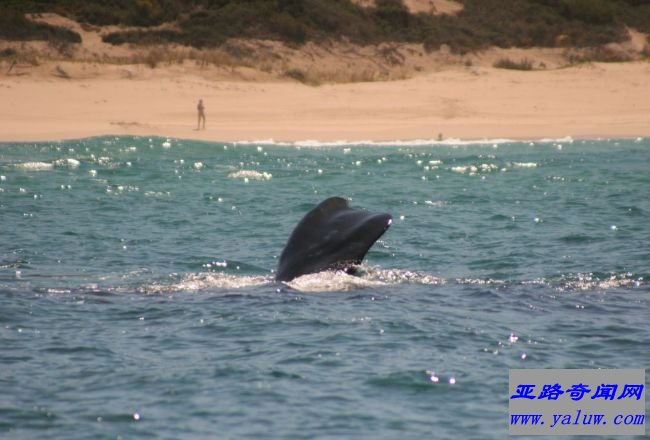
466 103
313 143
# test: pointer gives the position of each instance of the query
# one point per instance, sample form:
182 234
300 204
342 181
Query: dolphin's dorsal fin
330 236
331 205
325 209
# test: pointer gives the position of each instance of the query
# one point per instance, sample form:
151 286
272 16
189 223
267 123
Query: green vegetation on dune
14 26
209 23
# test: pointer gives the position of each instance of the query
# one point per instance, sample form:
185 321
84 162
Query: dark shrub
591 11
507 63
14 26
8 53
288 28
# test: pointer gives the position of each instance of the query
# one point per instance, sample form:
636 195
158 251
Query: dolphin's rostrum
332 236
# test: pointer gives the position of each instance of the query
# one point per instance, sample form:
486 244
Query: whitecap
35 166
435 204
69 163
250 175
488 167
471 169
157 194
459 169
524 165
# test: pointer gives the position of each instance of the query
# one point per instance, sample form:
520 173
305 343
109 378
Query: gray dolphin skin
332 236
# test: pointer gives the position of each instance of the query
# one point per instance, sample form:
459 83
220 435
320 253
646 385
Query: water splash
195 282
330 281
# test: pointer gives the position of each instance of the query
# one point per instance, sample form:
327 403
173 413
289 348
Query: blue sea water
137 296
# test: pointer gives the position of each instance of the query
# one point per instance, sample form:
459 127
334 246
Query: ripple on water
590 281
128 314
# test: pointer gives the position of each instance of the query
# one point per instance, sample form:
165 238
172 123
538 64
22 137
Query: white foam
399 276
201 281
587 281
375 277
35 166
311 143
524 165
566 140
435 204
471 169
119 189
104 160
326 281
488 167
247 175
69 163
330 281
157 194
480 281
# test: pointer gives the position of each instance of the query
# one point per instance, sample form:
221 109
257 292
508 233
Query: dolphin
332 236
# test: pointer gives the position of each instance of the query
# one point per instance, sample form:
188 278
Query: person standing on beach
201 111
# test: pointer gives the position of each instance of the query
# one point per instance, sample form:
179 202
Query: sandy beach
599 100
425 96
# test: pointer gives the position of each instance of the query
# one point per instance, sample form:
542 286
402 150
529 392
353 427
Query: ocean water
137 296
